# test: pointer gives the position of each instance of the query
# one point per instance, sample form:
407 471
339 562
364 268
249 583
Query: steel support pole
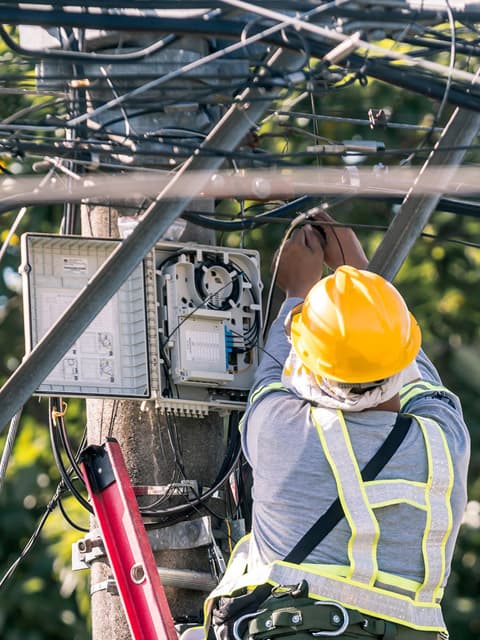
226 135
417 208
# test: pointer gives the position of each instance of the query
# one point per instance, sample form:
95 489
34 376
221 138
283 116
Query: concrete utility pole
143 437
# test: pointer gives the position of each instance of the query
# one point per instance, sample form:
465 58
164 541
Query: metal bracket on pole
417 208
126 543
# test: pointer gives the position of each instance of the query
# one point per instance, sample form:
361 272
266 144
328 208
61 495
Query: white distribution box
183 330
110 358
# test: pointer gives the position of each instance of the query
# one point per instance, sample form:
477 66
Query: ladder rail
126 542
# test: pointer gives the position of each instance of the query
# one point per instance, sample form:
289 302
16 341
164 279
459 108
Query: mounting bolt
82 546
296 618
268 624
336 618
137 573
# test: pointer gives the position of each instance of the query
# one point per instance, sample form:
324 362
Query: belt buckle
343 626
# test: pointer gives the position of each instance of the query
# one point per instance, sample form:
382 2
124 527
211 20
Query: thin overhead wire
356 121
34 537
453 50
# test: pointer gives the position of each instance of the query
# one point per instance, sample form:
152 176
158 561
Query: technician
342 362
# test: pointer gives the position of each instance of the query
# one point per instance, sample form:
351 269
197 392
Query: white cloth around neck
297 378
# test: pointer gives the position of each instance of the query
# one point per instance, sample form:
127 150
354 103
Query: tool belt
293 615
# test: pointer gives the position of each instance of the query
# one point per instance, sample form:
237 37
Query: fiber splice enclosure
183 329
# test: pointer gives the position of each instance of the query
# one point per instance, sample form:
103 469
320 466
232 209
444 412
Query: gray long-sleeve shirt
294 484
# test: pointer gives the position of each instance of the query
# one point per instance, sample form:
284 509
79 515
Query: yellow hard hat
354 326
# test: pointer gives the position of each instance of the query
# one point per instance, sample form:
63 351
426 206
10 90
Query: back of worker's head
355 328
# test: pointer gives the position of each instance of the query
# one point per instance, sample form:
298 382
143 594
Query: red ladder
126 542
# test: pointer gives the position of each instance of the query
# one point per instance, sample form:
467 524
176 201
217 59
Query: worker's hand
342 245
301 262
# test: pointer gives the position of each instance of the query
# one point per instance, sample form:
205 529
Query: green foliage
39 601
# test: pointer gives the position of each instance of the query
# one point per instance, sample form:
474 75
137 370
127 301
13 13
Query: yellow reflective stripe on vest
413 389
373 600
377 600
398 491
385 580
362 546
439 512
261 391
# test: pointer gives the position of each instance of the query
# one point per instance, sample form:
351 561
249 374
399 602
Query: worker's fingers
307 236
332 234
297 236
314 237
342 245
317 216
304 243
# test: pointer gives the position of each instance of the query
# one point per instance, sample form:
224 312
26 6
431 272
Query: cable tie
59 414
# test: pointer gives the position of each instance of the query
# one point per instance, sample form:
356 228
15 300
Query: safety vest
361 585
